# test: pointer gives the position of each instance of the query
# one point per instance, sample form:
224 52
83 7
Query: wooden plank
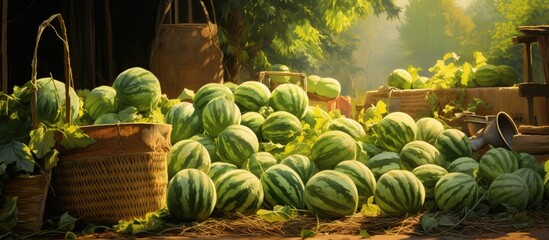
533 90
534 130
534 144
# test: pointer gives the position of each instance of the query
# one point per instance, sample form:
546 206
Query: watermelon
429 174
311 83
235 144
328 88
487 76
210 91
302 165
217 169
209 143
535 185
251 95
455 191
281 127
185 120
453 144
279 68
238 191
395 130
191 195
51 101
331 148
259 162
465 165
400 78
314 114
508 76
349 126
218 114
107 118
362 177
254 121
101 100
383 162
420 82
331 194
290 98
527 160
417 153
282 186
139 88
399 192
231 85
428 129
187 154
509 190
495 162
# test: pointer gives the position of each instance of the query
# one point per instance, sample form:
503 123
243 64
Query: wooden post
5 46
108 26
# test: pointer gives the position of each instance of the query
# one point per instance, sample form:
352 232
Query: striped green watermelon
137 87
289 98
465 165
210 91
509 190
383 162
217 169
428 129
279 68
282 186
417 153
238 191
251 95
453 144
455 191
302 165
253 120
487 76
495 162
328 87
101 100
429 174
399 192
331 148
395 130
508 76
535 185
51 102
191 195
187 154
281 127
185 120
400 78
218 114
209 143
107 118
311 83
527 160
235 144
259 162
361 175
349 126
331 194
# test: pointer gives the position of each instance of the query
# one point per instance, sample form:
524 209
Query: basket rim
124 124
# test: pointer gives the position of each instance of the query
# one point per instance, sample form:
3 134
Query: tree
431 29
254 34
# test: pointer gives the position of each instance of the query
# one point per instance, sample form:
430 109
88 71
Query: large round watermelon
487 76
236 143
465 165
218 114
331 148
281 127
508 76
400 78
429 174
510 190
417 153
535 185
187 154
495 162
311 83
455 191
283 186
238 191
428 129
453 144
302 165
259 162
383 162
251 95
209 143
254 121
331 194
349 126
137 87
101 100
51 101
217 169
185 120
209 92
399 192
395 130
290 98
328 87
191 195
361 175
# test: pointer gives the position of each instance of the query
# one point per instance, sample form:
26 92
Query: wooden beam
5 46
533 90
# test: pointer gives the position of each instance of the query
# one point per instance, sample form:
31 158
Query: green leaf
42 141
186 94
92 228
278 214
370 210
480 60
66 222
70 236
521 220
9 215
74 137
364 233
307 233
17 153
51 160
413 71
428 223
546 166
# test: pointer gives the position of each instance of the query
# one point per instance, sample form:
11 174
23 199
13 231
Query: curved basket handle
68 70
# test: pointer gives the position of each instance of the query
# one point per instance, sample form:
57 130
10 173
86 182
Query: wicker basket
123 175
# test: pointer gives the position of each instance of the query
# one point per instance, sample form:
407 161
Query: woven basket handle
68 70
